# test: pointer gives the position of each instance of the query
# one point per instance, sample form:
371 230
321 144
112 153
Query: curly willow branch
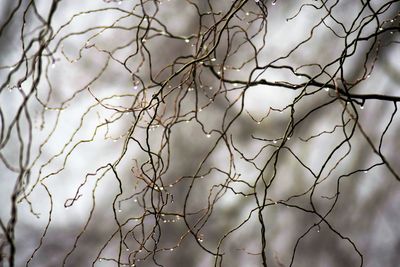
194 132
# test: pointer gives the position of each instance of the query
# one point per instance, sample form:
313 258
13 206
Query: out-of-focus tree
199 133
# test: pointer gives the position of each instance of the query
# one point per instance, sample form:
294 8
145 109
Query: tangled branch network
199 133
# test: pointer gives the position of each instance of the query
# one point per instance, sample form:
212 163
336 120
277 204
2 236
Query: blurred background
199 133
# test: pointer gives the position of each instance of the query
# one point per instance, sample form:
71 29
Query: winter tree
199 133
